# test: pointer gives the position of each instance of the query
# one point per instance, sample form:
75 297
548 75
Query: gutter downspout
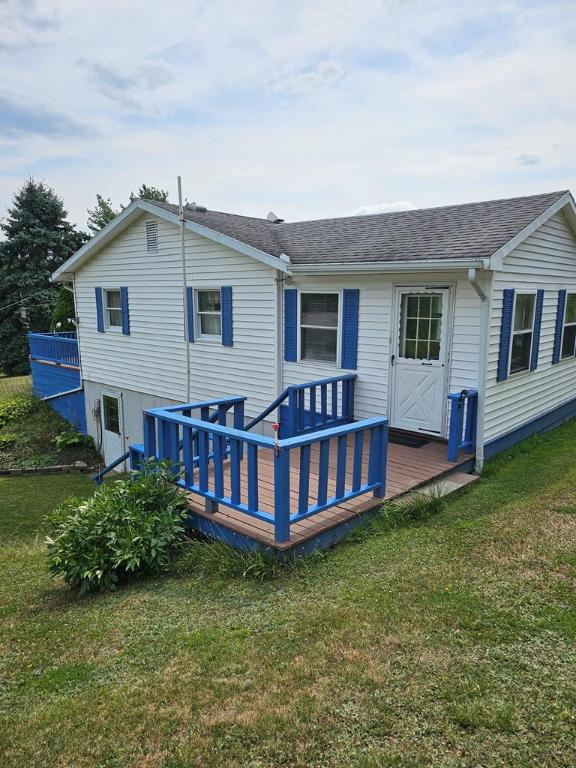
482 365
184 286
279 368
63 394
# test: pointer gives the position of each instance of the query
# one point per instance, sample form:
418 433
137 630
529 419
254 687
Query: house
451 324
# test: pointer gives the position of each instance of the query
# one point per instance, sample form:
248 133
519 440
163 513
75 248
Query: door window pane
111 414
421 326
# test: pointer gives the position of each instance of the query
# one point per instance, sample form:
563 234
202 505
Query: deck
407 468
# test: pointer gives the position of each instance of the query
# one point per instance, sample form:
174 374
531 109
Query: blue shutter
227 322
99 310
190 311
350 306
559 325
505 334
291 325
125 312
537 327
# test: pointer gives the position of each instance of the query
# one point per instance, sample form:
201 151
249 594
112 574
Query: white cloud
397 205
308 80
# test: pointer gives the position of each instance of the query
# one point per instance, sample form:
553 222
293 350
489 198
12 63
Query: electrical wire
21 301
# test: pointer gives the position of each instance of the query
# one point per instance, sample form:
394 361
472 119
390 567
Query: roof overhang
134 211
564 203
412 265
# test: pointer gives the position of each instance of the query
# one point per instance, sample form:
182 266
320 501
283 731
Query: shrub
7 440
14 408
66 439
126 528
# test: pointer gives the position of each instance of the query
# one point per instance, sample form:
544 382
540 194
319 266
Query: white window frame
308 360
106 310
564 325
513 333
212 337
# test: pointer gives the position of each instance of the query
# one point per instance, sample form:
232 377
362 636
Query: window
152 236
319 326
421 318
569 332
111 414
522 332
113 308
209 313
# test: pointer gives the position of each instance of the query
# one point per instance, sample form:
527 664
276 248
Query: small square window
113 308
209 313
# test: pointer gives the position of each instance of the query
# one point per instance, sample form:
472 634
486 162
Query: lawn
450 643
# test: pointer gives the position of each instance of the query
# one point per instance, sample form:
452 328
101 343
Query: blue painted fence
463 421
61 348
207 460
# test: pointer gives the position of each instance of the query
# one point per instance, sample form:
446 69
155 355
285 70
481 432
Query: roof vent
151 236
196 207
273 219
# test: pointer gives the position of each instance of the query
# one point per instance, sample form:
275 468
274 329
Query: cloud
129 84
23 23
18 120
527 159
308 79
398 205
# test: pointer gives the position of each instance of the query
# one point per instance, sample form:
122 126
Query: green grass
449 641
29 441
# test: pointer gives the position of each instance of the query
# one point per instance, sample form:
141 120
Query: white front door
419 357
112 431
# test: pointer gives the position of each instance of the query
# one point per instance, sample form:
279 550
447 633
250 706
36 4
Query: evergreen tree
64 312
38 239
150 193
101 214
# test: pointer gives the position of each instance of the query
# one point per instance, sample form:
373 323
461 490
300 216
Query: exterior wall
547 259
133 406
152 358
51 380
375 335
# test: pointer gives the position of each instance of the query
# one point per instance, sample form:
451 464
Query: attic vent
152 236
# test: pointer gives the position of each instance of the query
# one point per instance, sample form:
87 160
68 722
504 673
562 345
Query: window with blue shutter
505 334
290 325
350 307
558 332
125 311
227 322
190 312
99 310
537 329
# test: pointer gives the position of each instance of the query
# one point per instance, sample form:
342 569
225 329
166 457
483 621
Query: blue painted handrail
99 476
60 348
313 405
211 455
463 422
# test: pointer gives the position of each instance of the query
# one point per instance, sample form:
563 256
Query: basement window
152 236
569 332
113 308
209 313
523 332
319 326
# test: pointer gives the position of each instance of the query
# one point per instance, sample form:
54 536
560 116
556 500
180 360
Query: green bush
14 408
126 528
64 312
66 439
7 440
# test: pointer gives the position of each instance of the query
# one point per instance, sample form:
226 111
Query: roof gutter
412 265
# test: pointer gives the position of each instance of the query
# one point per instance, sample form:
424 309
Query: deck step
452 482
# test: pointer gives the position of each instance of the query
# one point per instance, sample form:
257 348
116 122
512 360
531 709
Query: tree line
37 239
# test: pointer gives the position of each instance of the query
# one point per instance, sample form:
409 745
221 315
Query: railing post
377 460
455 429
149 436
239 424
471 421
292 413
282 495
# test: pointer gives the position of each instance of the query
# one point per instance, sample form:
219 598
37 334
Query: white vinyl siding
152 359
374 336
547 260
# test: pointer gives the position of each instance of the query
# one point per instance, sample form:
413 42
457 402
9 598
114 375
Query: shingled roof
471 230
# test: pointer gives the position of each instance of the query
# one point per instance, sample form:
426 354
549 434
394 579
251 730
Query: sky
308 108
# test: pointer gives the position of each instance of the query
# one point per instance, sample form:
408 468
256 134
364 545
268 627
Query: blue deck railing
207 459
463 420
60 348
312 406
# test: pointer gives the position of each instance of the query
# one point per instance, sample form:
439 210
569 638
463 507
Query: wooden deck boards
407 468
